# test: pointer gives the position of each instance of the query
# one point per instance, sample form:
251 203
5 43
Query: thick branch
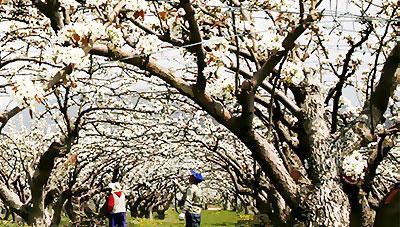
9 198
50 9
273 166
387 84
288 44
249 87
281 96
195 37
42 174
57 207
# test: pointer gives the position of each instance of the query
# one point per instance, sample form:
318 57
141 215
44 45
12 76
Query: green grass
208 218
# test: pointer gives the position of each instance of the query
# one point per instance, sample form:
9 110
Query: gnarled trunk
326 203
38 222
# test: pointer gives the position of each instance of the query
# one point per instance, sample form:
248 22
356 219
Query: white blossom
354 166
27 93
148 44
135 5
68 55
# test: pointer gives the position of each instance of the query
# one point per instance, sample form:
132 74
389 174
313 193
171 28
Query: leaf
163 15
85 40
305 56
279 17
73 159
296 175
212 58
73 84
76 37
87 49
392 195
14 88
350 180
139 14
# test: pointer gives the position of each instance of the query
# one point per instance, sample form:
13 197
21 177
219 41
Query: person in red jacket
116 206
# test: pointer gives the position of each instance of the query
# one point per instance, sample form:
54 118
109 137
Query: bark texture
326 204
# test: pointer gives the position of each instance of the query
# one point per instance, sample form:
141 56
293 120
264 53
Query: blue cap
199 178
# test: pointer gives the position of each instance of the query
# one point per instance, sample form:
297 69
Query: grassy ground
208 218
9 224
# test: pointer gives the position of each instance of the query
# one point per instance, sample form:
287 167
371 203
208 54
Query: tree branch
343 77
264 152
360 132
42 173
165 38
55 81
50 9
195 37
249 87
288 44
9 198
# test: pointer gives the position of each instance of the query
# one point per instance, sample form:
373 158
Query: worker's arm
189 199
110 203
180 187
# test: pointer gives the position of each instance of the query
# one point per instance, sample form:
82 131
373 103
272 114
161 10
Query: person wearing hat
193 199
116 206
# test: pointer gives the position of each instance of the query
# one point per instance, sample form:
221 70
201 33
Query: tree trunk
37 221
57 207
133 210
69 210
226 205
16 218
36 217
150 210
7 214
326 204
40 221
161 214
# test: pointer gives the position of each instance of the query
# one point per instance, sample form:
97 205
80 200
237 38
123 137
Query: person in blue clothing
193 199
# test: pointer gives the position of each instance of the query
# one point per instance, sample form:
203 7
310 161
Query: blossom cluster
148 44
268 43
354 166
66 55
28 93
83 33
294 72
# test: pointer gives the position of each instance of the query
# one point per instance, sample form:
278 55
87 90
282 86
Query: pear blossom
68 55
135 5
84 33
148 44
69 4
27 93
96 2
354 166
294 72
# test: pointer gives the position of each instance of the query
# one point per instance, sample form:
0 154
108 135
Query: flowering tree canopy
277 77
